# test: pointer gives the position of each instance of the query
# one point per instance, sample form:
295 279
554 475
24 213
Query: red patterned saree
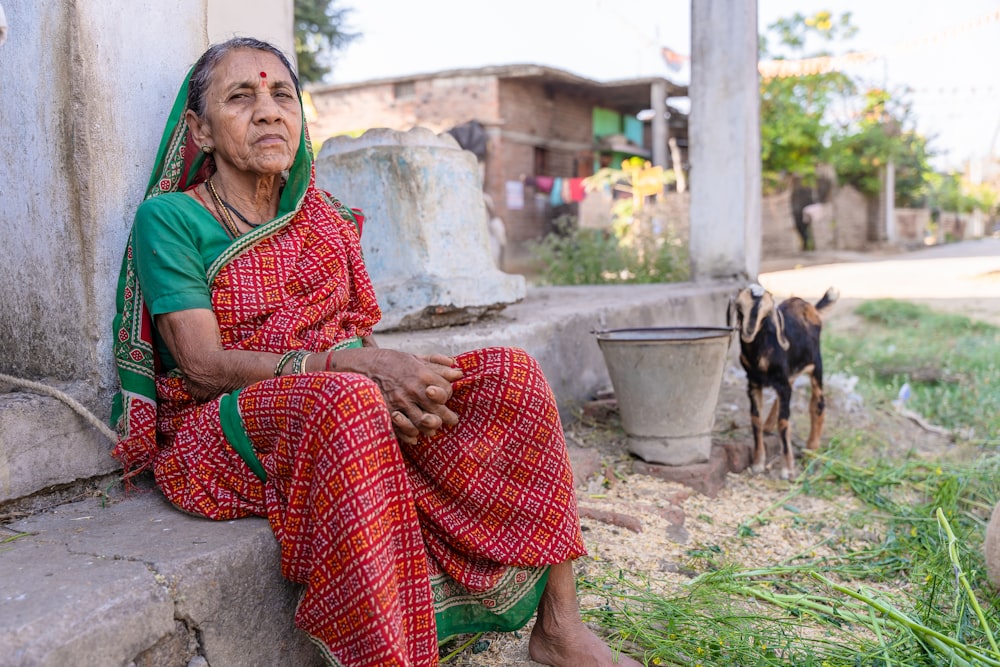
396 546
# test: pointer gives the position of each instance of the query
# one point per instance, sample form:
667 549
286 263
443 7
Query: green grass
951 363
917 595
898 602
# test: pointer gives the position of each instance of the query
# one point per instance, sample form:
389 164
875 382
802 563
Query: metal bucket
667 382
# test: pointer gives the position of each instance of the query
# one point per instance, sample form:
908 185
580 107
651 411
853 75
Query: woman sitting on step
415 498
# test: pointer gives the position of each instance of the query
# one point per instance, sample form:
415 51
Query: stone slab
97 583
43 443
708 478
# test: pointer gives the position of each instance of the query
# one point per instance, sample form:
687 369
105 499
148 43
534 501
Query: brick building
529 121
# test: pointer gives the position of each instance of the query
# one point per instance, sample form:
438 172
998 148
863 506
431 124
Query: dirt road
957 277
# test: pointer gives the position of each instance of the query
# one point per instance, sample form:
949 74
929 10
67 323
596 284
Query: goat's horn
779 329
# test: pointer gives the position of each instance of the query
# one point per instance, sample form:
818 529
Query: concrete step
109 582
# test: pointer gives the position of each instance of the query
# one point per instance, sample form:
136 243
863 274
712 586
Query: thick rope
39 388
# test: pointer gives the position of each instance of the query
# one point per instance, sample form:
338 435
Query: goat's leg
784 431
817 410
771 423
756 394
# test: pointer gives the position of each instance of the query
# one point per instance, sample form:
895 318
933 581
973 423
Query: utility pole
658 102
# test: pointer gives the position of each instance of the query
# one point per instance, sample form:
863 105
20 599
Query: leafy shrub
575 256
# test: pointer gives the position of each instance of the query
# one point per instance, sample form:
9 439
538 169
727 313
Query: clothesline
560 190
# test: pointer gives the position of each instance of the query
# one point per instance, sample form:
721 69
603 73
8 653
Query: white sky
953 67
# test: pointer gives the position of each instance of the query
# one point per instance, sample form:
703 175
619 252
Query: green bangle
284 360
299 363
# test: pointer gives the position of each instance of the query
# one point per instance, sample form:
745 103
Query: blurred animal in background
777 344
3 26
498 232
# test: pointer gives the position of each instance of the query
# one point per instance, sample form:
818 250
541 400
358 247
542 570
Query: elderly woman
414 498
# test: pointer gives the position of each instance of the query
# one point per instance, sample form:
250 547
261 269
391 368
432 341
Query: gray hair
201 75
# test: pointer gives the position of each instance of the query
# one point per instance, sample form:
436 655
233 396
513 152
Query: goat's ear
779 329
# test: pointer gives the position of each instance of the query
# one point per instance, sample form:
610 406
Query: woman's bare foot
560 638
574 647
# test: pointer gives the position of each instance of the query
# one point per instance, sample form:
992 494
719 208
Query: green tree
799 129
880 133
796 126
319 32
953 192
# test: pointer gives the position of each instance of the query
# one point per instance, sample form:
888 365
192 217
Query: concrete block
426 240
43 443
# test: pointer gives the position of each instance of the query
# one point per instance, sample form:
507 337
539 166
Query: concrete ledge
96 584
556 325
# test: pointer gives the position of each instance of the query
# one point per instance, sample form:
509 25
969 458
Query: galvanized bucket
667 382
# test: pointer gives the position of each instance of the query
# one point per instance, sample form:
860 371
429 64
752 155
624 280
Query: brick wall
556 123
777 227
843 224
851 217
912 224
441 104
437 104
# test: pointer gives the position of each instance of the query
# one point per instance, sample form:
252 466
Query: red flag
673 59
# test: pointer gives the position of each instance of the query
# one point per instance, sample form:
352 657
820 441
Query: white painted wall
85 88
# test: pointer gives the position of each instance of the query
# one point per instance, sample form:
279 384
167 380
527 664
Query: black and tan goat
777 344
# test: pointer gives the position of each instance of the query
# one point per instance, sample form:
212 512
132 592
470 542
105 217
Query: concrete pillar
658 102
87 87
724 133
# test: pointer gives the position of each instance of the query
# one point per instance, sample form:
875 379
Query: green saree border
236 432
506 607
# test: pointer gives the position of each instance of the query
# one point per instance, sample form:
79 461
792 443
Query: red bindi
263 79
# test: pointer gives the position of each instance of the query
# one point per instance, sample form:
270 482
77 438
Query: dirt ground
667 521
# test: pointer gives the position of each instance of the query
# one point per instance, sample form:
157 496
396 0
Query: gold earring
207 150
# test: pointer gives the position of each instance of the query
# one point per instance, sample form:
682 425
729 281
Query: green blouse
175 241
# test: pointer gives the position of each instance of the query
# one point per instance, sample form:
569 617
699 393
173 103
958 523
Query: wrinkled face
752 305
253 118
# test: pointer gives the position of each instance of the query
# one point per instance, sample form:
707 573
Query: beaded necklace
223 209
239 215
